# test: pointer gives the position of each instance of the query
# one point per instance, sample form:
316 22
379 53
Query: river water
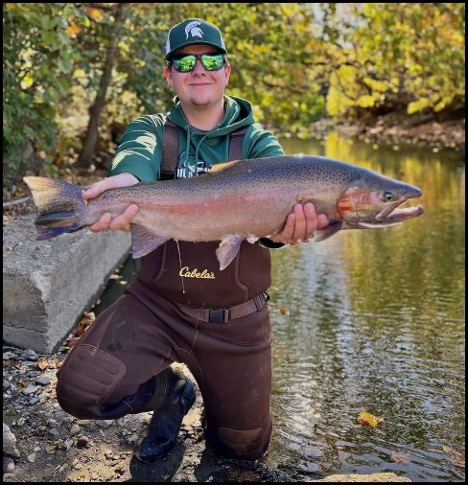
373 320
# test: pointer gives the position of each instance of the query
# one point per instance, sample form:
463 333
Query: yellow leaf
79 73
367 419
26 82
283 310
72 30
95 13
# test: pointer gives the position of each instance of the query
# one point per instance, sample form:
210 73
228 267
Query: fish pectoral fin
227 250
329 231
144 240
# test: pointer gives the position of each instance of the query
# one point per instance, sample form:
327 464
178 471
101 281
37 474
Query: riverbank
389 129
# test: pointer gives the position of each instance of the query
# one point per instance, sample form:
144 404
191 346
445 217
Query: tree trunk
92 132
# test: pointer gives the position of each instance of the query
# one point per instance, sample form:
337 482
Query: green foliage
37 59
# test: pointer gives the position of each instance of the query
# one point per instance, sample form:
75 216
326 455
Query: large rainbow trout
245 199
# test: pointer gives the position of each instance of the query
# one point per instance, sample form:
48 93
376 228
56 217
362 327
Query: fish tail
61 208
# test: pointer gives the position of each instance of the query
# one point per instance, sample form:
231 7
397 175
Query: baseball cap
193 31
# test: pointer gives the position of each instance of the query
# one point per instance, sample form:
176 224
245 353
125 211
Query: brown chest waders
181 308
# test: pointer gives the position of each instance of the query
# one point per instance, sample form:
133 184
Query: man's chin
202 102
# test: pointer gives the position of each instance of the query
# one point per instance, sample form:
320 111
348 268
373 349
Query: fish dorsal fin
228 249
144 240
329 231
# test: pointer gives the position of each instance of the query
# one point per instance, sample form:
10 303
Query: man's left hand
301 224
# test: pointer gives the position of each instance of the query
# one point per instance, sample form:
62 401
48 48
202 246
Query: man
218 325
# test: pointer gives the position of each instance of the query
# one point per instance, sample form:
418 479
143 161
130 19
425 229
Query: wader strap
170 148
235 144
170 151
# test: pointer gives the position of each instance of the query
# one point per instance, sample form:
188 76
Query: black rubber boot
171 405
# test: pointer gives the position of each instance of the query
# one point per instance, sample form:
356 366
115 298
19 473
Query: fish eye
388 196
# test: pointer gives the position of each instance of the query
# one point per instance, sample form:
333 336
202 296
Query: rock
8 464
9 442
29 390
31 457
106 423
42 299
82 441
43 380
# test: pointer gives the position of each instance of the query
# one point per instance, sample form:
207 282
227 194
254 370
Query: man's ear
168 75
227 72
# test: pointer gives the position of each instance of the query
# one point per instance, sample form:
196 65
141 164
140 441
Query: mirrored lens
211 62
185 64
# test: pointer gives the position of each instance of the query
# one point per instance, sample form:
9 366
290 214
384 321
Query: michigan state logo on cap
194 31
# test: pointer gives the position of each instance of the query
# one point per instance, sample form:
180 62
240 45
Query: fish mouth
391 216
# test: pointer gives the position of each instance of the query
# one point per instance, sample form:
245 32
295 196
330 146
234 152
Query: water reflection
375 322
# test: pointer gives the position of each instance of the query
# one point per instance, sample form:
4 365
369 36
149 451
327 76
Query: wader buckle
220 315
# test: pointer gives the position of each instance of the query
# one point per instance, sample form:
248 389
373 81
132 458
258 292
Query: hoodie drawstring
197 149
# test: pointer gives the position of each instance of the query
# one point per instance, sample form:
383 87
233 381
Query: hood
237 115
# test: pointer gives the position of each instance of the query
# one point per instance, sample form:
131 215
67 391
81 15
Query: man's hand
118 223
301 224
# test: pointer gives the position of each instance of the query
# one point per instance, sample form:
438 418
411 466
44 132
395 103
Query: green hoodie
140 150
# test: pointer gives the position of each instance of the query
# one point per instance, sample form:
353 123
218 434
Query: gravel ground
42 443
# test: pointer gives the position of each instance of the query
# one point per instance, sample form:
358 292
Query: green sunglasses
186 63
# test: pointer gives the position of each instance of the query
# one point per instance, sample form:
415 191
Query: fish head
372 201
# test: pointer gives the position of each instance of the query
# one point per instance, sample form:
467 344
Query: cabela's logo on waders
193 29
186 272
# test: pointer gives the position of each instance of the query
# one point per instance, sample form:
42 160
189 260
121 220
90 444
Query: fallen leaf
42 363
54 362
50 449
23 383
367 419
72 341
283 310
86 320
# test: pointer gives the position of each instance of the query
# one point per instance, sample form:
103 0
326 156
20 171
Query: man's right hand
106 221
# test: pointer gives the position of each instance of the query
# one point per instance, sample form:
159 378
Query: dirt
45 444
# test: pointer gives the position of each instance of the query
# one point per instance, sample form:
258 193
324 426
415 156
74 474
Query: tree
92 131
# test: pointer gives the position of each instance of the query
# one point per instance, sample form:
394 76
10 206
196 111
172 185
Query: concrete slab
47 285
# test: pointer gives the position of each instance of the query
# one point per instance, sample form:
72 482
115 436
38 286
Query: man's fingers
322 221
95 189
122 222
300 231
102 224
121 180
311 220
288 230
118 223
